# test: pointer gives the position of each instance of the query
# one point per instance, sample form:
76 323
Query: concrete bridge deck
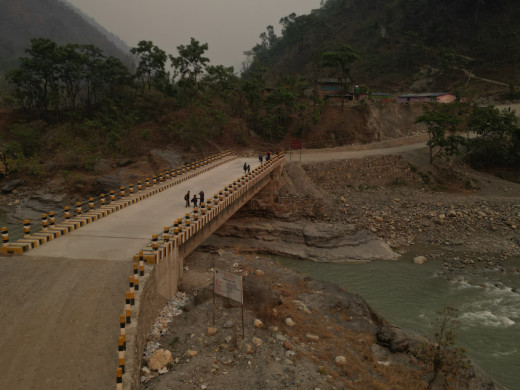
62 300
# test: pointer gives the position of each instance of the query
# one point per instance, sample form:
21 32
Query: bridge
82 292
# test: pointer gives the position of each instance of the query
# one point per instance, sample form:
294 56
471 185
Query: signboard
228 285
296 145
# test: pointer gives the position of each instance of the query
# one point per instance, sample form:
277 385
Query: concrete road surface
60 303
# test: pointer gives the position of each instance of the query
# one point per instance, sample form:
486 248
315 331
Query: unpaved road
395 146
59 322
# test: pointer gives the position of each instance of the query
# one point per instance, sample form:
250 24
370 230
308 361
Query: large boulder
12 185
160 359
396 339
36 205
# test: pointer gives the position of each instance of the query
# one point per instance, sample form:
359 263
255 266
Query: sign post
297 145
228 285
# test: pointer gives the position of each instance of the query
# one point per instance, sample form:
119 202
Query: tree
152 61
37 74
340 61
498 137
441 355
221 79
190 63
438 123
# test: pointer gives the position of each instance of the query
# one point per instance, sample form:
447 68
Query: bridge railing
176 235
55 224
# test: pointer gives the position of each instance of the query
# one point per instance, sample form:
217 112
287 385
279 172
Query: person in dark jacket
245 167
187 199
261 158
201 197
194 200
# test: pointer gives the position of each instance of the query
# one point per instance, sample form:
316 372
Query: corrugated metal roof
427 94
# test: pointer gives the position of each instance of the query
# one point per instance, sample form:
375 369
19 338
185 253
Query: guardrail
163 244
54 225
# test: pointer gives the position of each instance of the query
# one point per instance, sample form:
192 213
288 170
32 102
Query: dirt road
59 322
395 146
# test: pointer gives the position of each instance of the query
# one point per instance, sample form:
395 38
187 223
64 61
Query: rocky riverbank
300 333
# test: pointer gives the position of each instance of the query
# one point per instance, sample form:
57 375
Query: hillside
396 40
23 20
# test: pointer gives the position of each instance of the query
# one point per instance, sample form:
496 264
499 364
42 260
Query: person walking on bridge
261 158
194 200
201 197
245 168
187 199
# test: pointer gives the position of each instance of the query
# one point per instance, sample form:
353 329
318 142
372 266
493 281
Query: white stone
258 323
212 331
312 337
420 260
340 360
289 321
259 272
256 341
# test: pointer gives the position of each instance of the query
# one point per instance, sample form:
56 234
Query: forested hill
395 39
23 20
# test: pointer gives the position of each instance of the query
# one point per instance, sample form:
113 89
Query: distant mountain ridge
399 41
23 20
122 45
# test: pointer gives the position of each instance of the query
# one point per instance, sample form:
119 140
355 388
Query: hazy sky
230 27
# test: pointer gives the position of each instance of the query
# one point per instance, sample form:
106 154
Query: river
409 295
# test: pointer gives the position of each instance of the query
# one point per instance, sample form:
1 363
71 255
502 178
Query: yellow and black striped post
52 219
121 342
119 379
67 212
155 247
131 188
128 315
5 236
154 180
26 228
131 282
122 192
78 208
112 196
91 204
45 223
141 263
122 323
122 364
139 186
127 300
136 283
147 182
102 199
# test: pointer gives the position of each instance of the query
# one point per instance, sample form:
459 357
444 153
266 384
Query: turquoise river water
408 295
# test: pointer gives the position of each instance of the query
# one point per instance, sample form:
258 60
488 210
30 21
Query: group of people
247 168
194 200
267 157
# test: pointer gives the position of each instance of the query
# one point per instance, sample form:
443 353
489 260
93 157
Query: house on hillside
439 97
330 88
